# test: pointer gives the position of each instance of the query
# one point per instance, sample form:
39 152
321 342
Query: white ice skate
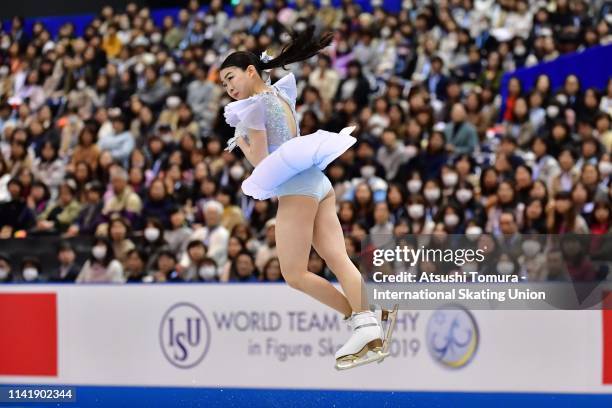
368 343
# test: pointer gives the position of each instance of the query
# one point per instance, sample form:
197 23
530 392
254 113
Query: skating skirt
295 156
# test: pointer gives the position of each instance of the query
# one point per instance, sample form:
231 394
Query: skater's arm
257 150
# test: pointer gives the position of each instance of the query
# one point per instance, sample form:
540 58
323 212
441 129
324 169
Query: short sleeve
288 86
246 114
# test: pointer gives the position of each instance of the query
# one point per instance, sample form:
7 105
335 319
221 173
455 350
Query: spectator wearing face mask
207 271
463 197
452 218
68 270
432 192
30 270
449 178
6 274
507 266
192 259
533 260
153 241
101 266
418 222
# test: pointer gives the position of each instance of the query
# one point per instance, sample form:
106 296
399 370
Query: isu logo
184 335
452 336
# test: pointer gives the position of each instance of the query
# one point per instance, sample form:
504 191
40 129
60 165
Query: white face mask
552 111
81 84
605 168
450 179
464 195
416 211
451 220
410 151
29 274
531 248
156 37
3 273
432 194
414 185
210 58
176 77
473 233
173 102
562 99
169 66
167 138
207 272
139 68
236 172
151 234
99 252
505 267
368 171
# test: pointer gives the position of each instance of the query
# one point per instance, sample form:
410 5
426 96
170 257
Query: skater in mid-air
290 166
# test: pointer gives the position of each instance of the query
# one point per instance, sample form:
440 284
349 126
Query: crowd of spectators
116 134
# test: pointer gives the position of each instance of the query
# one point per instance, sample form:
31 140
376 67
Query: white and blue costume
294 164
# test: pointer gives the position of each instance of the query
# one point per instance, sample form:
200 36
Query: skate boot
367 336
369 342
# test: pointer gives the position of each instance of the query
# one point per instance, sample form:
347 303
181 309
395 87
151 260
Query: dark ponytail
302 46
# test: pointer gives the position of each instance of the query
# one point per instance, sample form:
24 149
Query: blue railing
81 21
591 66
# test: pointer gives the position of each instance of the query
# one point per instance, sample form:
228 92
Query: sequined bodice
277 128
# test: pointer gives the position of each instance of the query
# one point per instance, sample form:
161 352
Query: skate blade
391 318
369 358
362 356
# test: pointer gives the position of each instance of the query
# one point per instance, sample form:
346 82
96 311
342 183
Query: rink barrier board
566 352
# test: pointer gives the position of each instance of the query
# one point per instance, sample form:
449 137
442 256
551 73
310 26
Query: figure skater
289 165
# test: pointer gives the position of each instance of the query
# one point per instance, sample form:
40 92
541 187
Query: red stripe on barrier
28 334
607 337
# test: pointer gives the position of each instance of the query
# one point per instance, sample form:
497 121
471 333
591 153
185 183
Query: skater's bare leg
328 241
294 233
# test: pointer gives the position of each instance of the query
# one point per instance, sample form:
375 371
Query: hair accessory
265 57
